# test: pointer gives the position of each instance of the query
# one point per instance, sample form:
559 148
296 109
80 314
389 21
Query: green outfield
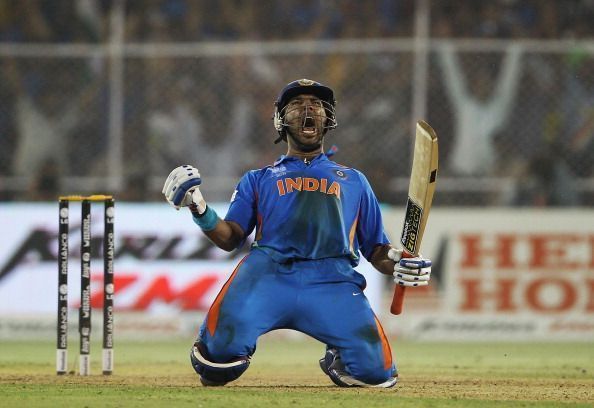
285 373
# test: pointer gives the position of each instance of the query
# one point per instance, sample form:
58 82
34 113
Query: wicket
84 320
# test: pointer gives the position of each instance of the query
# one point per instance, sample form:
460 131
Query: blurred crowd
517 115
263 20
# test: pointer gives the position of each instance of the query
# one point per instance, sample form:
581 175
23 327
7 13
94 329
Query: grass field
286 374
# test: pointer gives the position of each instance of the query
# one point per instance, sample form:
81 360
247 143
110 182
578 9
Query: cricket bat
420 196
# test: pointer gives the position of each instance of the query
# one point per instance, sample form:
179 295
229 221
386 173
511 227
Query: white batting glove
410 271
181 188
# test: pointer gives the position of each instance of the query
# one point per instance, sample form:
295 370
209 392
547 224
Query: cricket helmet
303 87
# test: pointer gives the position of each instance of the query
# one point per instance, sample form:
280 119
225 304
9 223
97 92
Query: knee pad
214 374
334 368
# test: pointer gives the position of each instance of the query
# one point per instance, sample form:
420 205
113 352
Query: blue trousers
321 298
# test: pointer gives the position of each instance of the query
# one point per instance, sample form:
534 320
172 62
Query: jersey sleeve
242 209
370 228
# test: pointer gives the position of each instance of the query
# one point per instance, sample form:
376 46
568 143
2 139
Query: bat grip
398 300
399 292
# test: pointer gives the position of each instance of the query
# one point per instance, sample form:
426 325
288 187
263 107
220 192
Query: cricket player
313 219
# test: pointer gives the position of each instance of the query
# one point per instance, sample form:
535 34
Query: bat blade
420 197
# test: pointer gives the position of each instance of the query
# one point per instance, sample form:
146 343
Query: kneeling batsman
181 189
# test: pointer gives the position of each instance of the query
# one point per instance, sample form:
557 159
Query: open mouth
309 126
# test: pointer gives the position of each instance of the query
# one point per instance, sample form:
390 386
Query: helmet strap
280 138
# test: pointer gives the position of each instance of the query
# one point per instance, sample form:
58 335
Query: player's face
306 117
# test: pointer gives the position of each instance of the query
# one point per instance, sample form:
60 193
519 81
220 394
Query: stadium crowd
263 20
53 114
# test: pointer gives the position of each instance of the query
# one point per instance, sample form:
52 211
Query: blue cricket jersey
308 211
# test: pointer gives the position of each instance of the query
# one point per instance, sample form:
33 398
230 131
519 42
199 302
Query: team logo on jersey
340 174
289 185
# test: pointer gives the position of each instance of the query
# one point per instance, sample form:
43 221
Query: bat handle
399 292
398 300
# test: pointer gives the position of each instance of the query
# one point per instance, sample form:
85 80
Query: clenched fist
181 188
410 271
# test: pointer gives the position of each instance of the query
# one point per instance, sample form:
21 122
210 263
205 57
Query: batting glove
410 271
181 188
